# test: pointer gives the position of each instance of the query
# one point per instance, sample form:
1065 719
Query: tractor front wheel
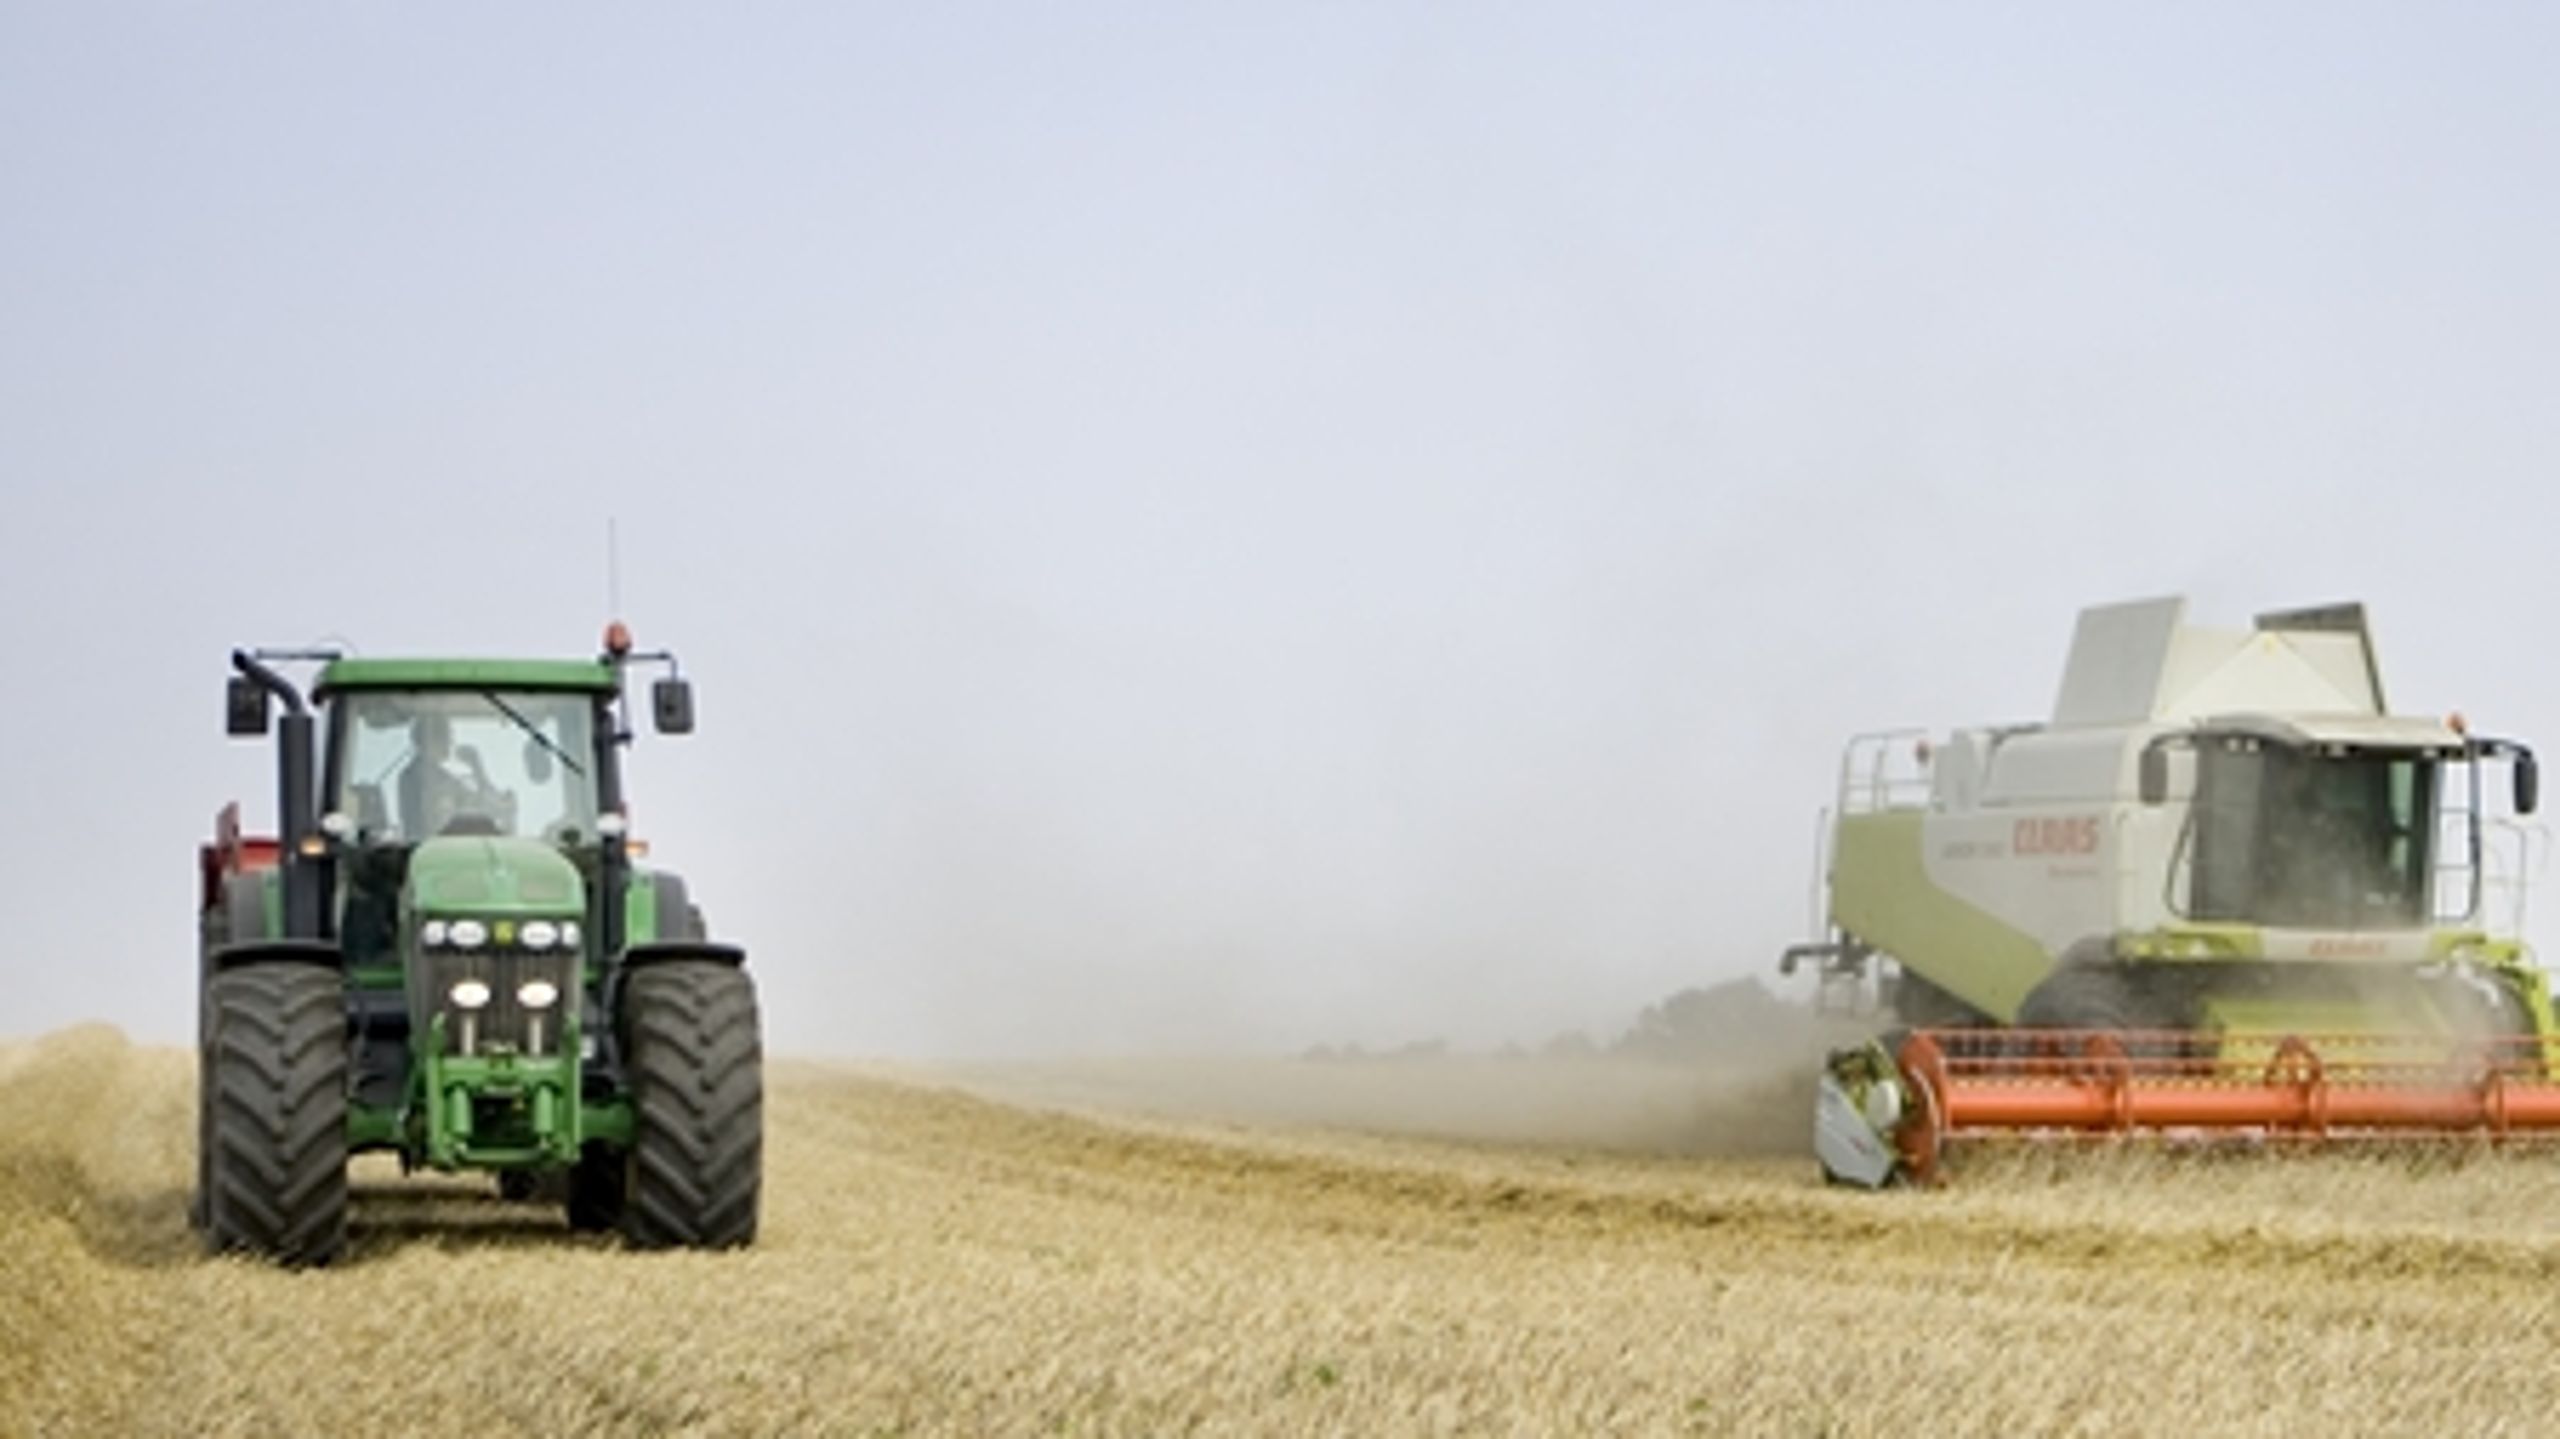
696 1068
275 1121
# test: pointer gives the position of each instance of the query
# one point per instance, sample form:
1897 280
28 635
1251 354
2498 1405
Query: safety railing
1884 769
2493 893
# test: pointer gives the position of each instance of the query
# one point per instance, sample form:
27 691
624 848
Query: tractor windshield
414 763
2322 840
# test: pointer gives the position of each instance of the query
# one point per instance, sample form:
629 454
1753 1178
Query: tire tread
696 1064
276 1113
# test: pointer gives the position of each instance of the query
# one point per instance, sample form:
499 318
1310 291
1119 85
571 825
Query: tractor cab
408 764
465 773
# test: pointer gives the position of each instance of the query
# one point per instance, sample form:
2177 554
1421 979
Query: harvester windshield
410 764
2299 838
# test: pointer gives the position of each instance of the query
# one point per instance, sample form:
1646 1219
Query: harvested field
1085 1249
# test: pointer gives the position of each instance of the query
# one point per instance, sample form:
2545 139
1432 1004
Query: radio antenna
612 568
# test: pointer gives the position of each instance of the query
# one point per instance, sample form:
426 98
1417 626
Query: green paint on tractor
598 677
489 875
448 952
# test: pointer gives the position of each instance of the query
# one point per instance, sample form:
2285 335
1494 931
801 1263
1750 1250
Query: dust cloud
1725 1071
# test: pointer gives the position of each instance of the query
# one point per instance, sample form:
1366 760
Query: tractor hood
486 874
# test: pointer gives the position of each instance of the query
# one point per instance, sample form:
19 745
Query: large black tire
696 1069
276 1071
1923 1005
2117 998
240 916
594 1198
2085 997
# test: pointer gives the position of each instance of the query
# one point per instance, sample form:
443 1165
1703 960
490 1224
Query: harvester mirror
2528 782
246 703
672 699
2155 775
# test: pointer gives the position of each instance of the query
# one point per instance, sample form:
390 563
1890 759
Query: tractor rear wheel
275 1071
696 1069
242 915
200 1203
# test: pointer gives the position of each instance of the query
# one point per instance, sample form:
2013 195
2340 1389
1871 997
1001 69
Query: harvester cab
449 952
2223 891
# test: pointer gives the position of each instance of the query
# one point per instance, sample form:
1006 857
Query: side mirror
2155 775
2528 782
246 701
672 700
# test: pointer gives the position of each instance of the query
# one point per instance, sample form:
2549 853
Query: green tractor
447 952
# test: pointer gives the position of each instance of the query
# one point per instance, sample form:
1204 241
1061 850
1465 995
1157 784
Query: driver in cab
432 794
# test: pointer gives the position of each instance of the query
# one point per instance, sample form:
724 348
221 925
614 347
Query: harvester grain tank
449 952
2223 891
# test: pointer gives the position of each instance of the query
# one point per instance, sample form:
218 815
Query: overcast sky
1229 526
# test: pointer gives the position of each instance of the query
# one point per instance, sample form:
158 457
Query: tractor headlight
432 934
469 934
569 935
538 994
470 994
538 934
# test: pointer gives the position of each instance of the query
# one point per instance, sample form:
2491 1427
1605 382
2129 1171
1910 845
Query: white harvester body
2223 833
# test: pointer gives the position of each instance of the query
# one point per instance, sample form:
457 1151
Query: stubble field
1284 1248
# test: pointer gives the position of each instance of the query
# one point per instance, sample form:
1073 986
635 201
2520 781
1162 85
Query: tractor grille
503 1022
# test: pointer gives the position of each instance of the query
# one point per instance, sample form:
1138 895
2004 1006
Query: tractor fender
315 952
664 951
672 914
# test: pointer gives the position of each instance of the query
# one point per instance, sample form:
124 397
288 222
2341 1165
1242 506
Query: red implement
231 852
1972 1083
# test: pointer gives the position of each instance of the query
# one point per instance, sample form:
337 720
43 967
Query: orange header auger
1940 1087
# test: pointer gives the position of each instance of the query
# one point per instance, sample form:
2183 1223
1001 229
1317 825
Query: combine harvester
2223 894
